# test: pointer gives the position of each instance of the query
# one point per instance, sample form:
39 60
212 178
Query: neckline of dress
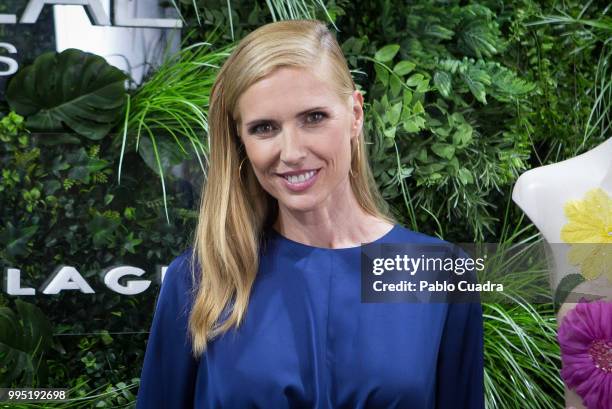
297 244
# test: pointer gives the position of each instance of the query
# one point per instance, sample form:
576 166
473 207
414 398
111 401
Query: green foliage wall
61 205
460 100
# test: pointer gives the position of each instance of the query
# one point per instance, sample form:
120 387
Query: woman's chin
299 204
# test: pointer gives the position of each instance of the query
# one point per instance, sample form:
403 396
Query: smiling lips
299 181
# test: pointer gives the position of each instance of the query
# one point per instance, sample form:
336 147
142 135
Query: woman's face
292 123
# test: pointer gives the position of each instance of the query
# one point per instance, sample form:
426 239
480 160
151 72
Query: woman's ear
357 111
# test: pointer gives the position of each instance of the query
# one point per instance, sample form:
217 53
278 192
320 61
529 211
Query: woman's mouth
302 181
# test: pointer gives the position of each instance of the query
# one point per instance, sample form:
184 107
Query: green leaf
379 108
82 166
51 186
382 74
443 150
131 243
169 155
253 15
61 139
506 83
414 80
463 135
418 108
407 97
420 121
431 168
465 176
73 88
477 89
442 81
422 155
405 172
565 287
102 230
394 114
108 198
37 330
386 53
441 131
423 86
106 338
403 67
438 31
410 125
396 85
390 132
15 239
24 338
456 118
478 72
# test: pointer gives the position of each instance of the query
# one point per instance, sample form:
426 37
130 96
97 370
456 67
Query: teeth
300 178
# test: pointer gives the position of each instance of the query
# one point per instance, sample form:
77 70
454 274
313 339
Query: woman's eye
265 128
261 128
315 117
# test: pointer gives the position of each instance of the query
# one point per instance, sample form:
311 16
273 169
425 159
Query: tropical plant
73 88
25 338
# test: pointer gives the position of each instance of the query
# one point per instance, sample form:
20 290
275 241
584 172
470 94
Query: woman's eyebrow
254 121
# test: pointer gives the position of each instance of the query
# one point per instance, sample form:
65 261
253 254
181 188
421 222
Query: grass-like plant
168 113
295 9
588 34
80 396
521 353
278 9
521 356
591 32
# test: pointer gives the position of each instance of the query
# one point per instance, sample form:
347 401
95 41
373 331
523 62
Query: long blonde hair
234 208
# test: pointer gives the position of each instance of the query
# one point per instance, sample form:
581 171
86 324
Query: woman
268 313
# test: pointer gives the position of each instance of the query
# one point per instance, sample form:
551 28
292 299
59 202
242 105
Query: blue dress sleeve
169 370
460 383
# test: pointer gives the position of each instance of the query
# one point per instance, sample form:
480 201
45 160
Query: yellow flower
589 231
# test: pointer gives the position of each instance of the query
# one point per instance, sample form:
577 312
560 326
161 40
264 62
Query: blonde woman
265 311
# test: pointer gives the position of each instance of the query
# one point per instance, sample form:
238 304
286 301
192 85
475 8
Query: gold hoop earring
357 154
240 169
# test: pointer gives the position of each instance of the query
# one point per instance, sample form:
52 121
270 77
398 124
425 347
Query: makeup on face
297 134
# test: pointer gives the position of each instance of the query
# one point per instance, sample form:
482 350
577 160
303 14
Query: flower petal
586 323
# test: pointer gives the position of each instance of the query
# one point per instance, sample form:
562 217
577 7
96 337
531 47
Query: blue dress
308 342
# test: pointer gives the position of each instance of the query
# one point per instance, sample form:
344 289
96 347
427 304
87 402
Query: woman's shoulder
177 281
180 260
180 266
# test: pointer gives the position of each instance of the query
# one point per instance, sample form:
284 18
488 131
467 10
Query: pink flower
585 337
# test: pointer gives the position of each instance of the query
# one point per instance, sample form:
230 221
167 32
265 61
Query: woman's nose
292 149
